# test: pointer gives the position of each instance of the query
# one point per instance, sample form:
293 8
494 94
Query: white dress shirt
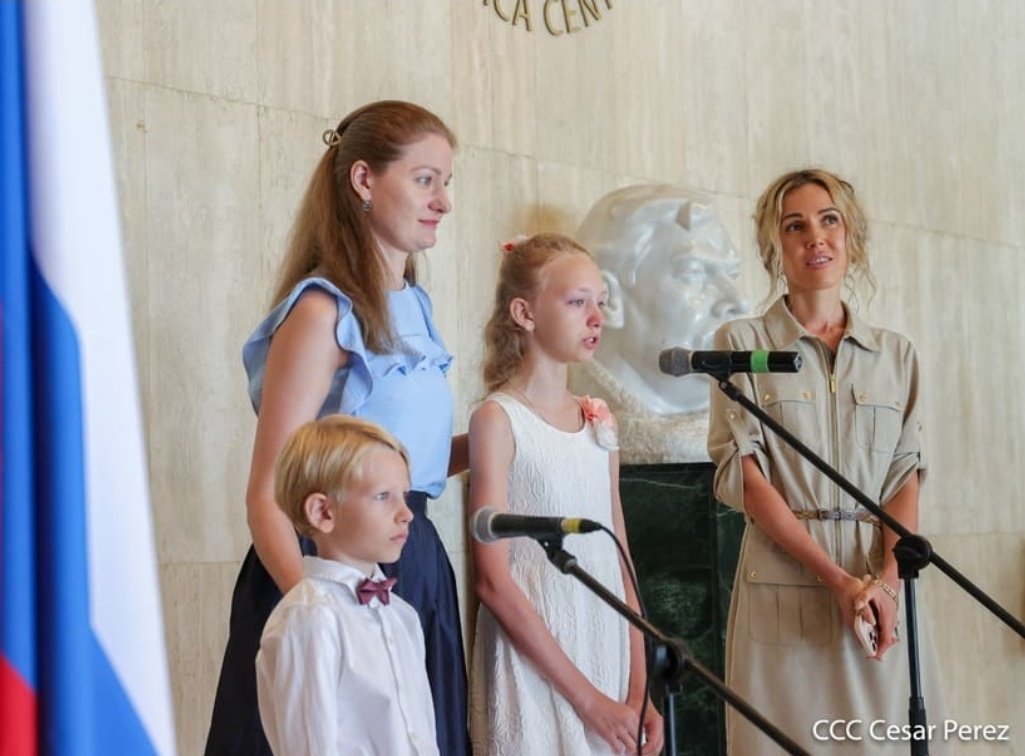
338 677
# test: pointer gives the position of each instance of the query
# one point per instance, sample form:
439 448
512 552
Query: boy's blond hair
325 456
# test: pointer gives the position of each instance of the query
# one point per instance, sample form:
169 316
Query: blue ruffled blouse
405 391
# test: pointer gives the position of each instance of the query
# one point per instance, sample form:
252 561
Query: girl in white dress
555 670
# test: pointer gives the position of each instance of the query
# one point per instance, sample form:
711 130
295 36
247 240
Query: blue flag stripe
83 706
17 553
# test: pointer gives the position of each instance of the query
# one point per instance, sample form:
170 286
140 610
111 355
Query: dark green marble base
685 549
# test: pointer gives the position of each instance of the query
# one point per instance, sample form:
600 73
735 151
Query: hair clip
331 138
509 246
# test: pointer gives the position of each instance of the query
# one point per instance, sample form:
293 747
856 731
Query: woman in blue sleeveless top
351 332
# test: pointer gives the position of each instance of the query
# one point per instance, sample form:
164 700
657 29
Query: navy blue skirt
425 580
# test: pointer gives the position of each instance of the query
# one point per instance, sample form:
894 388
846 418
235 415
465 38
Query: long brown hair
331 234
520 276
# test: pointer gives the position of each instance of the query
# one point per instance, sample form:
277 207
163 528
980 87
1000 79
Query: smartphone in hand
867 634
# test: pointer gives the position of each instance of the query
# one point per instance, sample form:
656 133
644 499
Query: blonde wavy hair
325 456
521 276
769 213
331 234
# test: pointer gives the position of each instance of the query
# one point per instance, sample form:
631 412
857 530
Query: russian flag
82 662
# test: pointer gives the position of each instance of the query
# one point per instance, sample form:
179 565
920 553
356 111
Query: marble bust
671 274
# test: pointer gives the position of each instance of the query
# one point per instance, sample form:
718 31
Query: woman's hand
877 605
847 592
615 722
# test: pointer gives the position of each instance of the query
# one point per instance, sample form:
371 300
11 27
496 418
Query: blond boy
341 663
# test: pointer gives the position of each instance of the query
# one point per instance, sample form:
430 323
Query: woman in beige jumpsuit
812 558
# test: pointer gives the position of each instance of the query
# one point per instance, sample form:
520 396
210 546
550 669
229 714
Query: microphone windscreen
480 525
675 361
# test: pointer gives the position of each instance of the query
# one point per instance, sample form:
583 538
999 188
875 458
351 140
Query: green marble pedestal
685 549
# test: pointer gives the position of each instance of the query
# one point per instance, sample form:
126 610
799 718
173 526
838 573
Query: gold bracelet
886 589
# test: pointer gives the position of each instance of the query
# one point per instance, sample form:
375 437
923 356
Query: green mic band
760 361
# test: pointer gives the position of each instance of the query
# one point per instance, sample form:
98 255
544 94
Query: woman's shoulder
740 331
318 289
887 340
313 305
314 301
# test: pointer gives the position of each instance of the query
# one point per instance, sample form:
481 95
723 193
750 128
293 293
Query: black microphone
679 361
488 525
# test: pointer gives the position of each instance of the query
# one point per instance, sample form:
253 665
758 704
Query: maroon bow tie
380 588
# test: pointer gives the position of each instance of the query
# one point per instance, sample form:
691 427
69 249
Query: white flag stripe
75 229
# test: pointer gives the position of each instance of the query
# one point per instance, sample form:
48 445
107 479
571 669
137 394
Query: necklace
534 408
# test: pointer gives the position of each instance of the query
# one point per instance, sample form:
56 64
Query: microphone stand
913 553
672 658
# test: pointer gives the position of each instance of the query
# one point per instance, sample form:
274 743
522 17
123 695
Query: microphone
487 526
679 361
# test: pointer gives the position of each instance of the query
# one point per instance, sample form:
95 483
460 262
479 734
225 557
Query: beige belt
859 515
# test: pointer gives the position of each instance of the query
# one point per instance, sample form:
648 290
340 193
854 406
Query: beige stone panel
448 515
462 566
651 115
711 126
202 47
775 77
496 67
979 81
983 661
927 111
991 69
202 195
289 148
1008 104
871 151
125 105
383 50
197 599
947 404
286 66
498 201
996 403
735 214
478 68
566 193
895 145
575 100
969 314
830 92
120 25
894 254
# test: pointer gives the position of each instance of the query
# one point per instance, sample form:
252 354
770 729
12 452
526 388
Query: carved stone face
671 272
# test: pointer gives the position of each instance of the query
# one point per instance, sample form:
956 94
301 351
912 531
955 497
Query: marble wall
217 110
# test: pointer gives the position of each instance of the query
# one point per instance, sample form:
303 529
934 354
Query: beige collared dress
788 652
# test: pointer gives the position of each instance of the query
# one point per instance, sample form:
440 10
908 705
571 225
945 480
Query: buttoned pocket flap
767 563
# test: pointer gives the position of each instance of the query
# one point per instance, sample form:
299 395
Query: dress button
767 397
862 397
752 574
807 395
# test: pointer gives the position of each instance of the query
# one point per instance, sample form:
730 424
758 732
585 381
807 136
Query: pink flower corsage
598 414
508 246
